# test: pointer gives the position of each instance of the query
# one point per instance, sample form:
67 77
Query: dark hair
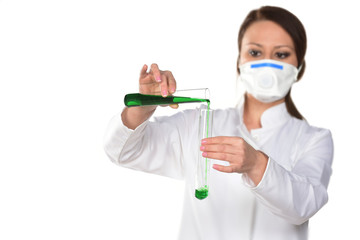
292 25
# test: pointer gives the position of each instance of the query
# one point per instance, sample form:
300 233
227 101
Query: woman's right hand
153 82
156 81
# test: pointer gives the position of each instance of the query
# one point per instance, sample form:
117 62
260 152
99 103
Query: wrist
134 116
258 170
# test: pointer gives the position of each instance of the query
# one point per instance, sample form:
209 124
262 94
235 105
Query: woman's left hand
242 157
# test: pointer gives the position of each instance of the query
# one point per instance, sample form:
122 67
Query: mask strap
299 69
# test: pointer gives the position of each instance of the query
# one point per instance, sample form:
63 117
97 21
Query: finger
171 83
221 148
143 72
155 71
164 86
225 169
174 106
145 78
222 140
220 156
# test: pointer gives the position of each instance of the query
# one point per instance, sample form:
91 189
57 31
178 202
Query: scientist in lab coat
271 168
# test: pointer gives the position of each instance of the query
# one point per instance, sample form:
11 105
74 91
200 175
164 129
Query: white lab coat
293 188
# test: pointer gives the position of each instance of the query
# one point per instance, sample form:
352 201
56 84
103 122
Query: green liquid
202 193
137 99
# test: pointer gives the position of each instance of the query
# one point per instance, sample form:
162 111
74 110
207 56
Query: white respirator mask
268 80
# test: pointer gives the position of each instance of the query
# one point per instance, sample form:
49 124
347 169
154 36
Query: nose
268 56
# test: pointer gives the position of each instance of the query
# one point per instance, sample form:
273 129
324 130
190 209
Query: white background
65 67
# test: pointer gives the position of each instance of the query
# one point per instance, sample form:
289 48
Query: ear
238 64
301 70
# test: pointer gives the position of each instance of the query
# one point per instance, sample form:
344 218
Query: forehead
267 33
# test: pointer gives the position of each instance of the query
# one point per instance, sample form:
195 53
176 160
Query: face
267 40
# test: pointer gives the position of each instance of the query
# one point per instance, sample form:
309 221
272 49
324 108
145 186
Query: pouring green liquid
138 99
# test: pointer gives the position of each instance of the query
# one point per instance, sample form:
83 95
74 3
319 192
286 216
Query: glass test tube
203 164
180 96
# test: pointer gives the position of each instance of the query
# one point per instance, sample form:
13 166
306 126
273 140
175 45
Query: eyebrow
276 47
252 43
281 46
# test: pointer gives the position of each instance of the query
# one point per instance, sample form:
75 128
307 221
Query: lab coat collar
272 117
275 116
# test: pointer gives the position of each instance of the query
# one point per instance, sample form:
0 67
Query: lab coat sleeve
154 146
297 194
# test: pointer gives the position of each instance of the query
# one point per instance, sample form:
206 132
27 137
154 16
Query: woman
281 165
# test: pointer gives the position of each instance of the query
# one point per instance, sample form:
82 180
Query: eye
282 55
254 53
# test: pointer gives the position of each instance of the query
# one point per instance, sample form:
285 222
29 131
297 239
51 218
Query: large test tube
180 96
203 164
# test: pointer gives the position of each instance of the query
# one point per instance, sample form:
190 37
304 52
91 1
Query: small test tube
203 164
